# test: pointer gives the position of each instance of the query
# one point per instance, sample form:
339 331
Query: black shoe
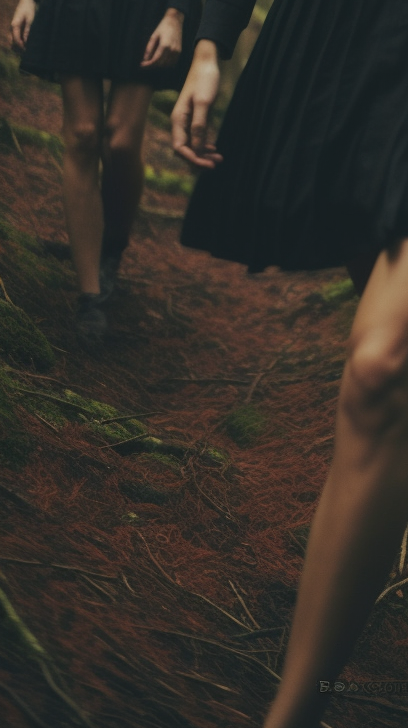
91 321
108 274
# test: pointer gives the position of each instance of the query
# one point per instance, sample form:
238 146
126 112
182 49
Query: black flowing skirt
104 39
315 141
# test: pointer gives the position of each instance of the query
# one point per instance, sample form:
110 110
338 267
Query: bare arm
21 23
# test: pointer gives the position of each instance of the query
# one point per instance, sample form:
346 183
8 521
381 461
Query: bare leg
363 511
83 124
123 172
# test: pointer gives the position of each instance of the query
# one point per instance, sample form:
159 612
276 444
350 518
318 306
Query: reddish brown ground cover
161 584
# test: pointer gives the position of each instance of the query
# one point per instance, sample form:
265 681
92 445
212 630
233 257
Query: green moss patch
14 135
26 254
338 292
21 341
244 425
169 182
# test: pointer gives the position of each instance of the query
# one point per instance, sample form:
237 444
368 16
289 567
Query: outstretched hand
21 23
191 113
165 44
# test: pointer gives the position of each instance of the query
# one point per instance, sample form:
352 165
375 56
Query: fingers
151 48
204 161
206 156
199 123
18 34
160 56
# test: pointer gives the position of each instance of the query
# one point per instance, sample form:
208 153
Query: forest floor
155 501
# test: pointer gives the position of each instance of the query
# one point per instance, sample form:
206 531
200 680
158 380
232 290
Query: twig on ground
39 654
35 720
123 418
179 586
53 398
223 512
114 445
206 680
97 574
127 584
35 650
244 606
46 423
403 554
5 294
258 378
98 587
64 697
391 588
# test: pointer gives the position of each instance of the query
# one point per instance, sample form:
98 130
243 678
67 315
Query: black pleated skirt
315 141
104 39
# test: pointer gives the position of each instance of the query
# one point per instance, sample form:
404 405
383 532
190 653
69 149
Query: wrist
207 50
174 13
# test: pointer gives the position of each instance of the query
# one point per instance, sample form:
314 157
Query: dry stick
122 418
200 596
206 680
64 697
35 720
257 379
98 587
35 650
241 653
244 606
391 588
52 397
38 653
43 376
13 495
231 710
5 294
403 551
226 513
98 574
127 584
124 442
48 424
15 141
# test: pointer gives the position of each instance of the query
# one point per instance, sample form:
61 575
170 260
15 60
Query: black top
223 21
182 5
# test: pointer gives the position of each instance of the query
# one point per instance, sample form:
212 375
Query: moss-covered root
20 339
13 623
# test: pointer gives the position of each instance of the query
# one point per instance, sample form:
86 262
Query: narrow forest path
155 501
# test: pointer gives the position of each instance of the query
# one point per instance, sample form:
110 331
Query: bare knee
83 139
123 142
375 386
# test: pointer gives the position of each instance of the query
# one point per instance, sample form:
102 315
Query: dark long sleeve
223 21
182 5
